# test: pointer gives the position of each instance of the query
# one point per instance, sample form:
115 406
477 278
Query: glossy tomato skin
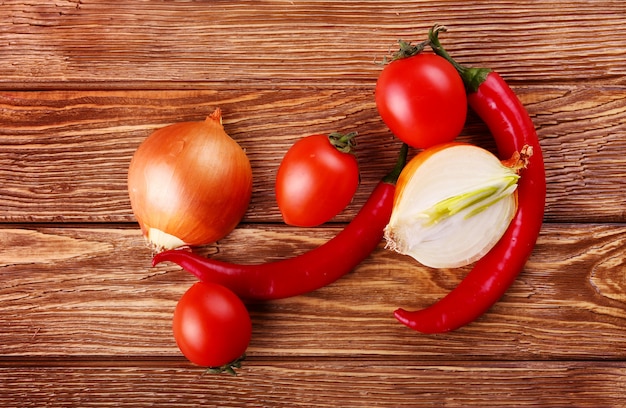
422 100
211 325
315 181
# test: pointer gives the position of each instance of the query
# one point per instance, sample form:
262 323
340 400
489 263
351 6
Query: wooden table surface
86 321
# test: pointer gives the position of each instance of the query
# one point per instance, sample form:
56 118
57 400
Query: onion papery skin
189 184
457 173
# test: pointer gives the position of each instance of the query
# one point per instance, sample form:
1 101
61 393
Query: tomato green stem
408 50
227 368
345 143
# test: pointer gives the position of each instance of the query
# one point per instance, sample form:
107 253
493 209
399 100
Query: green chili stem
393 175
472 77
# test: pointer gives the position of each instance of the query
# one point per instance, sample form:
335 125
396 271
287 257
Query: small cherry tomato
422 100
317 179
211 325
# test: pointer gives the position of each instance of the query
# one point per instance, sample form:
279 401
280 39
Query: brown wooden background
84 319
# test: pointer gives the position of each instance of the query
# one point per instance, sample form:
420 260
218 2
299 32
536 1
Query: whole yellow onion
189 184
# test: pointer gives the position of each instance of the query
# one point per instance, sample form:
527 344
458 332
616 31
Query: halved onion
453 203
189 184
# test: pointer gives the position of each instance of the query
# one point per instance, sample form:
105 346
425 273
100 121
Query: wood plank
307 383
64 154
76 291
106 44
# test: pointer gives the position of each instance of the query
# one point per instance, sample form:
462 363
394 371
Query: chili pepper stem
472 77
393 175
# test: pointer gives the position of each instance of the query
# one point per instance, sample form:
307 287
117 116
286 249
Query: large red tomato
422 100
315 180
212 326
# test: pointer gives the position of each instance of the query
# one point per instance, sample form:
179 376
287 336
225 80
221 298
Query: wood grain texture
85 321
321 383
103 43
64 155
97 295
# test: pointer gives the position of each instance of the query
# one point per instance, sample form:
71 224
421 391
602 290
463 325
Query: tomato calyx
472 77
407 49
227 368
345 143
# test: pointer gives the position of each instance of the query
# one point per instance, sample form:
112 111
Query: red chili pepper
512 128
310 270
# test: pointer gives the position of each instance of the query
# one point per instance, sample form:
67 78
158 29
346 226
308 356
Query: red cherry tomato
315 180
422 100
212 326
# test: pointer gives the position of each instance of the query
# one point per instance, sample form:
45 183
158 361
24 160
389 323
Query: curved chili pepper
512 128
310 270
